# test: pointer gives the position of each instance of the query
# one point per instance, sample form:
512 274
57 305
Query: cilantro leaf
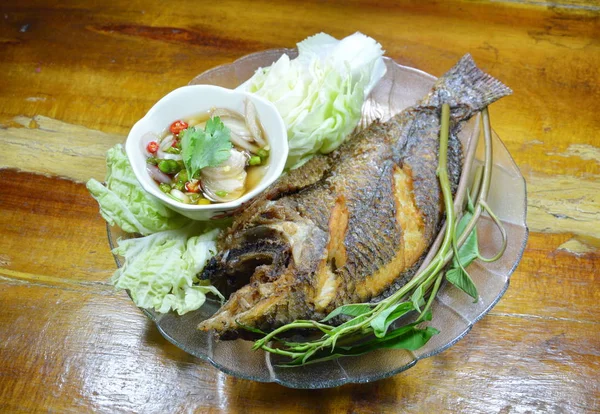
205 148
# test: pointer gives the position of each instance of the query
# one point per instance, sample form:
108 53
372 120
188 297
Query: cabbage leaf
160 270
320 93
125 203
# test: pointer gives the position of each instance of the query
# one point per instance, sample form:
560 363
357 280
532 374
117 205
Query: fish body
348 227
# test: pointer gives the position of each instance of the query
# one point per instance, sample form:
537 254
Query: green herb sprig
372 325
205 148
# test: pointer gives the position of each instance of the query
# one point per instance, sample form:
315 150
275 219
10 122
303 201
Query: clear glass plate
454 312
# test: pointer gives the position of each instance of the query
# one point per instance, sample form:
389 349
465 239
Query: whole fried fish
350 226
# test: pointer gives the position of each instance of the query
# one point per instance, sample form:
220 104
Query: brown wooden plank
51 228
54 148
554 283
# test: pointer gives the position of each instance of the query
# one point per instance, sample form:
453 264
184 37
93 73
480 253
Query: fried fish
349 226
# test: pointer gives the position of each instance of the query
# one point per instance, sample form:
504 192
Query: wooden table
75 76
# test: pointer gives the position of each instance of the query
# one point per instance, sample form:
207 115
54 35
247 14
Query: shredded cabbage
125 203
320 93
160 270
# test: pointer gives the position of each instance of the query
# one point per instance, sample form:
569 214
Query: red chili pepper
192 187
178 126
152 147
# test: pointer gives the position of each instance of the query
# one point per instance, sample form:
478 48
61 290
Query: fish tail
465 85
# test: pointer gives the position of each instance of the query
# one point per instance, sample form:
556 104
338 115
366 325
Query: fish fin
466 85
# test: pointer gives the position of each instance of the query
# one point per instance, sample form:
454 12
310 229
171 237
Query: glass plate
454 312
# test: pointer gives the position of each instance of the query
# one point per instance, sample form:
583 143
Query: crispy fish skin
350 226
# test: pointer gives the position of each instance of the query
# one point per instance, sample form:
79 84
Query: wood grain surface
75 76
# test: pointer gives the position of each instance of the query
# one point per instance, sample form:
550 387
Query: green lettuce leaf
160 269
124 202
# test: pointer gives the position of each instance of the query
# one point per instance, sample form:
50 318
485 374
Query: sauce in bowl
212 157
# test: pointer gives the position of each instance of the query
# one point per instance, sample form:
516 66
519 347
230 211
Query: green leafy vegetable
461 279
160 270
468 252
320 93
125 203
355 309
205 148
408 337
349 324
417 298
383 321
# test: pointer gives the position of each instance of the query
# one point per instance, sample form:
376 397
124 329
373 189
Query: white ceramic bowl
192 100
